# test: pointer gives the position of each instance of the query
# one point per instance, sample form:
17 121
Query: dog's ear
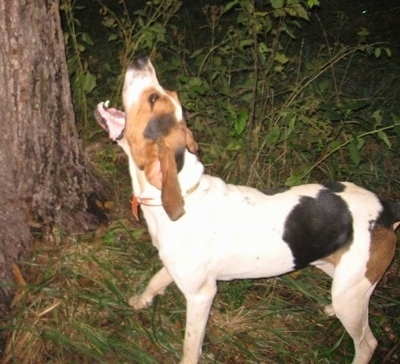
165 158
171 194
162 172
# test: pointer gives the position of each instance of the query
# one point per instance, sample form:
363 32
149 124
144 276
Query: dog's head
156 132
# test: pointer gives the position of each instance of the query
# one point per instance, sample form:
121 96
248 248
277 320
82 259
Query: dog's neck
189 176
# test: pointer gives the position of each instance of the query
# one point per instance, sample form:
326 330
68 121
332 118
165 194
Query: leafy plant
130 32
139 31
272 109
82 80
274 112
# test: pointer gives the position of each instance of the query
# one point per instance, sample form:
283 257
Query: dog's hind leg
198 305
156 286
353 283
350 305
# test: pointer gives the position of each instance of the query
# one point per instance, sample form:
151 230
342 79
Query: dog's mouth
111 120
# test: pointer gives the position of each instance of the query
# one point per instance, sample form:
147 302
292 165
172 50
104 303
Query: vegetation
277 93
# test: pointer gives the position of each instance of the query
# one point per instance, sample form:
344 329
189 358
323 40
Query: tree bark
45 180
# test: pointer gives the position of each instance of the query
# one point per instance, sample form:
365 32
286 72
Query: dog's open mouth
111 120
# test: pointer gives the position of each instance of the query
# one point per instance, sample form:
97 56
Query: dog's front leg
156 286
198 307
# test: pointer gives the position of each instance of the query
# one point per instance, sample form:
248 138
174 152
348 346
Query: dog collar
136 201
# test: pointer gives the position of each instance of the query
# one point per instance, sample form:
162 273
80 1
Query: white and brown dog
206 230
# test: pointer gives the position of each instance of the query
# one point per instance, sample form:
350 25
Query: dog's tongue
110 119
116 113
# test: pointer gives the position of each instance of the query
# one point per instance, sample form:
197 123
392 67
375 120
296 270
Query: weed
271 114
128 34
82 80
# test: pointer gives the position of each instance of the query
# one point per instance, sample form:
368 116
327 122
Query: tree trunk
45 180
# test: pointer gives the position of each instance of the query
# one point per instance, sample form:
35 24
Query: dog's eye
153 98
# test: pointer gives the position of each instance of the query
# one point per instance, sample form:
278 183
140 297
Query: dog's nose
139 63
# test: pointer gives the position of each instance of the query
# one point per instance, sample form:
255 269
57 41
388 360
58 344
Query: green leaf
281 58
378 116
86 38
246 42
312 3
297 177
396 129
323 85
360 143
262 48
357 105
292 124
297 11
197 53
88 82
113 37
289 32
241 121
277 4
383 136
333 115
230 5
293 180
272 136
333 146
388 51
354 152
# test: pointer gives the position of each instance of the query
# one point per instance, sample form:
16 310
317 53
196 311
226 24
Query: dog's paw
329 311
140 302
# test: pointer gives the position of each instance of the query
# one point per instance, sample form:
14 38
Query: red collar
136 201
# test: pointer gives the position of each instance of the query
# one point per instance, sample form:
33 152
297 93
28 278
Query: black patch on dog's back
335 186
317 227
274 191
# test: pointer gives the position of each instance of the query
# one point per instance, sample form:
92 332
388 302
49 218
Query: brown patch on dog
157 139
171 194
381 252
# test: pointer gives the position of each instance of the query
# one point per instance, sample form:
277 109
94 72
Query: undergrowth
276 95
274 110
273 97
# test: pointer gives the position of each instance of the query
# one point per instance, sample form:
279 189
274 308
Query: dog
207 230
